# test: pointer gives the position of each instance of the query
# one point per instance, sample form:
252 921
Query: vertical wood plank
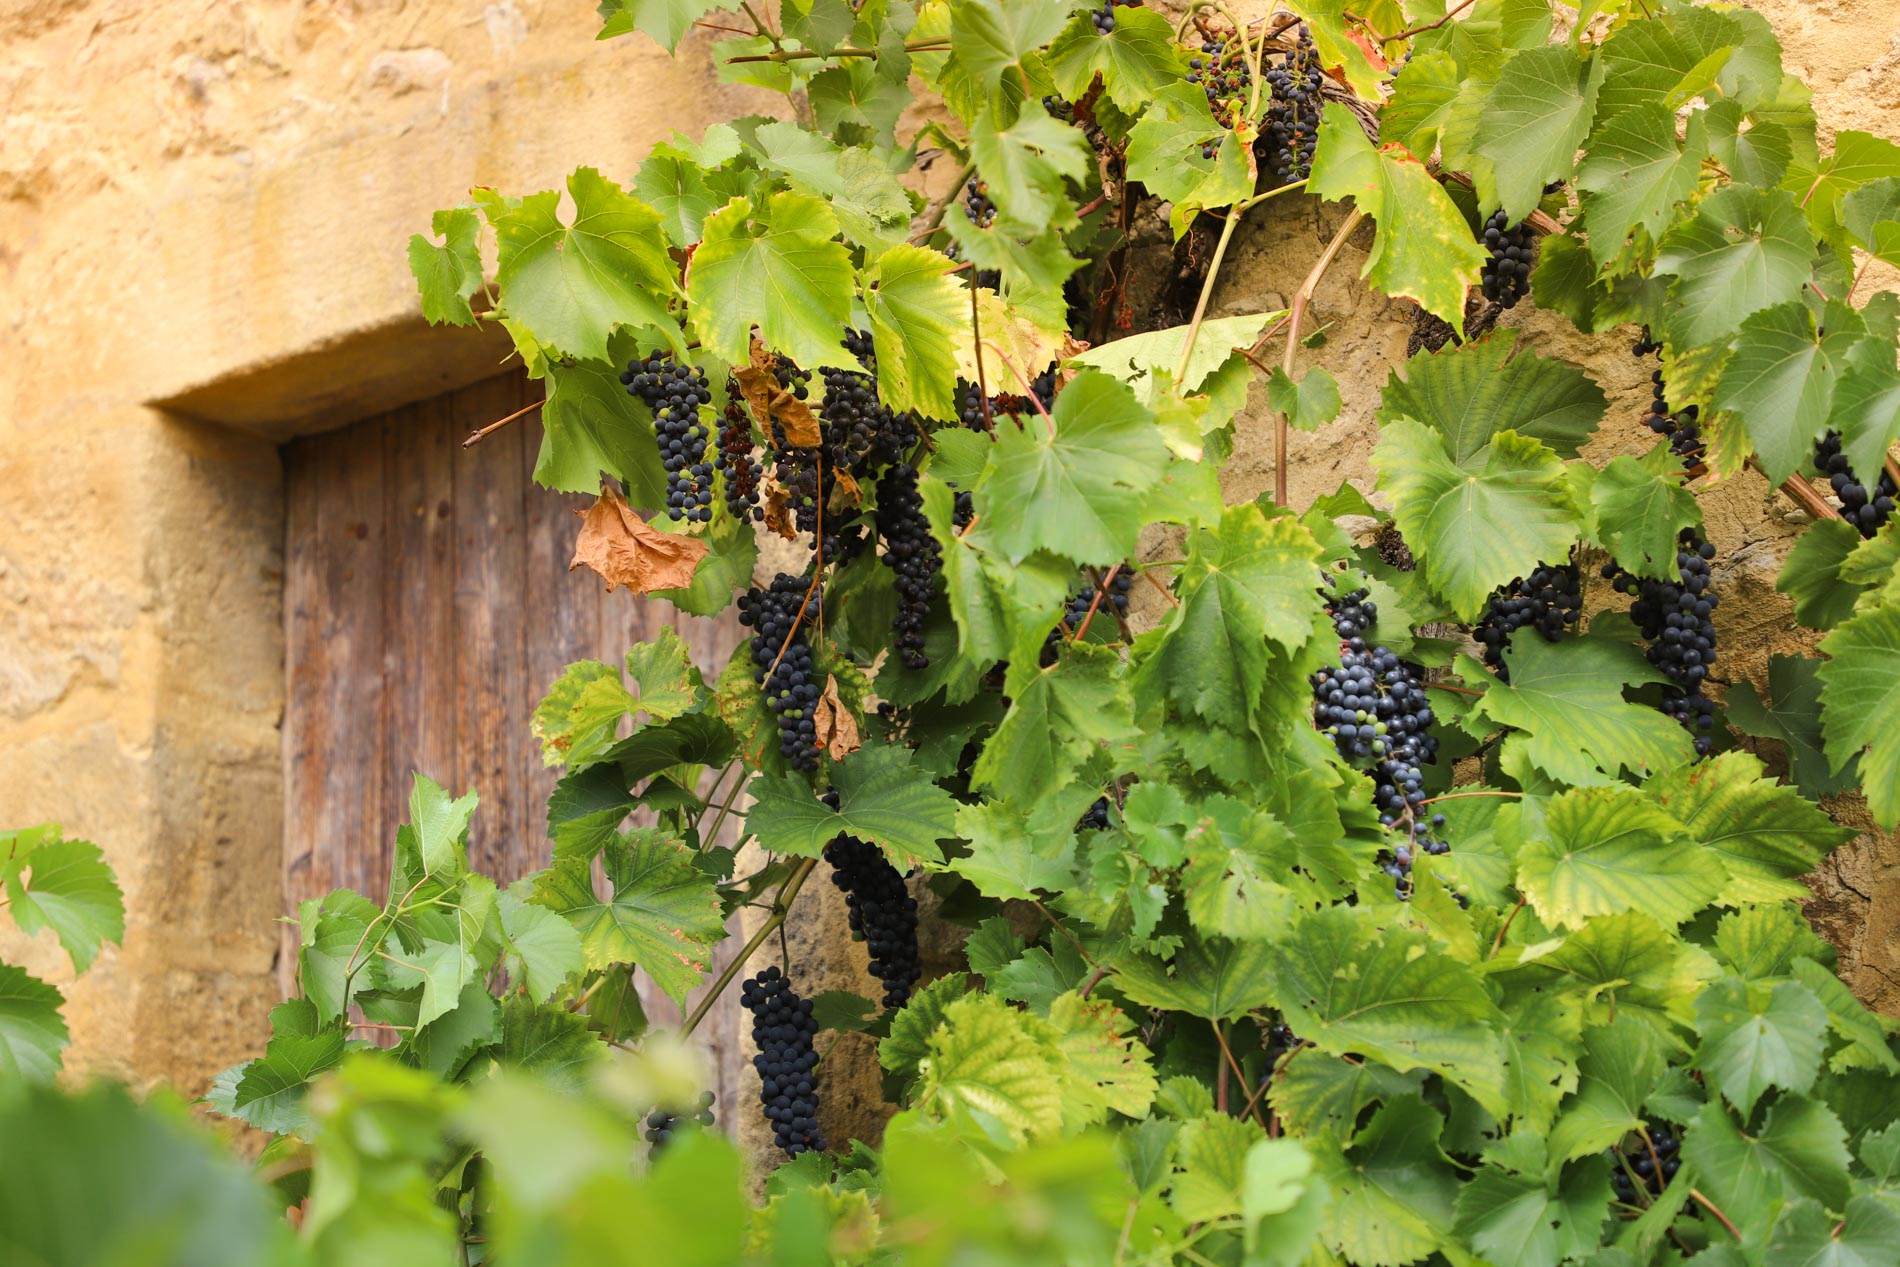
420 448
306 745
489 617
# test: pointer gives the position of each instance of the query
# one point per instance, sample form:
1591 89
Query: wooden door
427 608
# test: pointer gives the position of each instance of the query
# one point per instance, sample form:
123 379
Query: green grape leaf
664 21
1745 250
446 1046
997 38
1245 583
1540 1033
1338 44
1866 412
917 312
69 888
776 267
1749 1174
543 950
1074 483
992 1065
1533 122
1766 835
335 929
1635 175
1211 977
1236 862
857 186
1794 684
843 1012
549 1039
722 573
32 1032
1308 404
663 913
1604 850
1318 1094
1469 392
1621 1065
1393 1192
1353 988
1136 60
576 721
675 185
442 968
1107 1070
1811 576
1424 102
441 824
1567 699
1211 1153
1859 158
1640 505
1138 357
1872 214
1026 166
270 1091
1058 718
571 285
1521 1219
1780 381
881 799
1756 1036
1809 1235
1017 855
1860 691
590 426
448 275
1165 154
1865 1032
908 1043
1475 529
1424 249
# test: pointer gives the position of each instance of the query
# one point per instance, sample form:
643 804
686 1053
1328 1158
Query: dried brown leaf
837 728
777 505
626 550
770 400
848 487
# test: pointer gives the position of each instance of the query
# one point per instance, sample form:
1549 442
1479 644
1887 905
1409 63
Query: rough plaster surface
203 209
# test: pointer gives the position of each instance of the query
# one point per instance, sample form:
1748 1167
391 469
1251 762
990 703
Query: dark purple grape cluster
1286 145
1549 600
661 1124
914 558
797 466
977 203
1645 344
1104 17
1005 404
1679 426
674 392
1647 1161
1095 817
853 417
962 509
1221 71
882 912
1506 275
1373 706
735 463
1280 1040
782 661
1075 610
783 1029
1866 509
1677 618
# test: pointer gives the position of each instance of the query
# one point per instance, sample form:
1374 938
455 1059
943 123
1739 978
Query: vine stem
1295 314
1062 928
1459 796
1095 606
732 794
1504 928
1239 1073
1455 690
934 214
781 907
1029 391
1711 1207
480 434
1232 222
1161 589
1429 26
803 54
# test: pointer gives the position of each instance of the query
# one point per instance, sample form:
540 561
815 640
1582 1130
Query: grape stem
1710 1206
933 215
1504 928
801 54
1221 1084
1096 604
1295 314
1429 26
1228 225
480 434
781 906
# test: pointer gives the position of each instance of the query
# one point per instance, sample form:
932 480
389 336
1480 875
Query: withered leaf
771 400
626 550
837 728
778 515
848 486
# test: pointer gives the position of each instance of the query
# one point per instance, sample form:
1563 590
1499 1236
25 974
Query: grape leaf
1745 250
880 799
1243 585
1058 718
1811 576
1756 1036
448 275
1165 154
32 1032
1339 45
855 184
993 39
1106 1068
1809 1234
1620 1067
776 267
1640 505
1424 249
549 1039
270 1091
1635 175
1866 412
991 1063
917 313
1354 988
1469 392
543 950
1475 529
1567 698
590 426
1425 100
1210 977
1859 158
674 185
1872 215
1212 1157
1865 1032
334 932
907 1044
1137 357
1860 691
1074 484
663 913
1800 1146
1533 122
1393 1193
1604 850
69 888
1308 404
1794 717
1026 167
1135 60
1780 380
441 825
1525 1219
571 285
1766 835
665 21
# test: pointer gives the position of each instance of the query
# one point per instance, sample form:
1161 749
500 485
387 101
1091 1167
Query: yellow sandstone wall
203 210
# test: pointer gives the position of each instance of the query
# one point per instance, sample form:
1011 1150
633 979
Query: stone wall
202 217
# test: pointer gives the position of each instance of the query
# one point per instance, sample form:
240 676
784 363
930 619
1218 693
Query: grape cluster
1222 73
735 462
1866 509
1104 17
1677 619
1280 1040
1550 600
1678 426
1373 705
883 913
1506 275
1286 146
1005 404
977 202
674 392
914 558
661 1124
784 669
783 1029
1095 817
1634 1166
1076 610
